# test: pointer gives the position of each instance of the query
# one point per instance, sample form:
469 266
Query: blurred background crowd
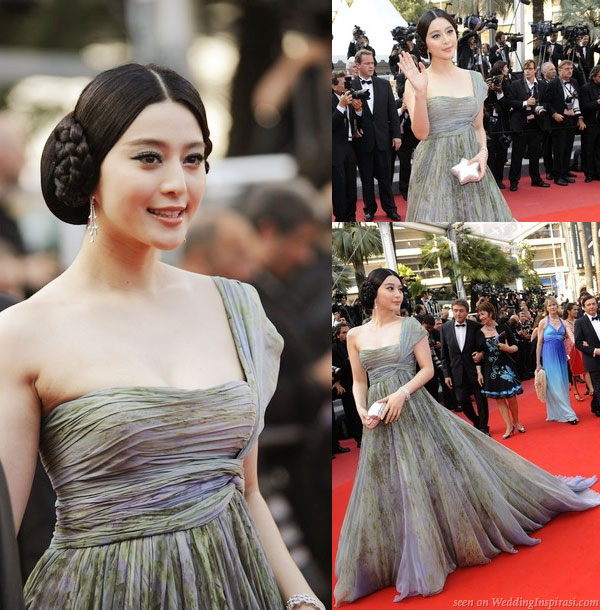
261 67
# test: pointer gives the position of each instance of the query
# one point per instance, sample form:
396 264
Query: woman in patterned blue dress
499 379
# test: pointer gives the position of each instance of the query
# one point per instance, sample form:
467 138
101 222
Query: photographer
408 143
548 72
550 50
501 51
527 121
404 38
344 125
496 108
563 106
586 52
343 385
590 139
467 51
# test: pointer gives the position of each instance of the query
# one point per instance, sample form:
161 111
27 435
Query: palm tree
341 275
479 260
354 244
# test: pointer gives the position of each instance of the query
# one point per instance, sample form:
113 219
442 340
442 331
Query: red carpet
576 202
565 566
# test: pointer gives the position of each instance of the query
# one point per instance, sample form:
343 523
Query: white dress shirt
371 99
595 324
461 334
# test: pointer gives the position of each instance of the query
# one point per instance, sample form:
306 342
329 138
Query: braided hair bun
367 294
68 172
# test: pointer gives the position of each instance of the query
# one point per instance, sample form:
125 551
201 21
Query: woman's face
441 39
389 295
484 317
552 308
573 312
152 180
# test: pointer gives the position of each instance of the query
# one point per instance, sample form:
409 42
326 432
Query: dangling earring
92 227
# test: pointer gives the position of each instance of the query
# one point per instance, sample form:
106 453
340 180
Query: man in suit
590 139
550 50
500 51
587 341
459 356
343 175
527 122
380 129
585 51
548 71
563 105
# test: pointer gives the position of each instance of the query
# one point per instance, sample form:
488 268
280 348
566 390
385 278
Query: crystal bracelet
405 392
302 598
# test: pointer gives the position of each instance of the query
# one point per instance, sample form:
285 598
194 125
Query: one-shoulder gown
432 493
149 481
434 194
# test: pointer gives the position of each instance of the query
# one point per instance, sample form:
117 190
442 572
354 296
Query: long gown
554 362
432 493
434 194
149 481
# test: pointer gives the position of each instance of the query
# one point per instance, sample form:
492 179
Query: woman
431 492
145 384
499 379
552 353
450 128
575 359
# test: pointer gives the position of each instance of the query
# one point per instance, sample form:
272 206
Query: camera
336 374
514 38
540 111
496 80
357 32
357 94
476 22
403 35
572 32
572 103
545 28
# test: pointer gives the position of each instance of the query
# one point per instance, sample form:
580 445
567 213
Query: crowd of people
534 110
484 349
432 491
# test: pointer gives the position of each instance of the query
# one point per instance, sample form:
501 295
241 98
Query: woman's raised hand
417 77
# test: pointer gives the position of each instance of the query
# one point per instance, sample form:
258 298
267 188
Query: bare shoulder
354 334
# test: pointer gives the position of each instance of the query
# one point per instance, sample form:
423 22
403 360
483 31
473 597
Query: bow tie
459 325
594 319
366 82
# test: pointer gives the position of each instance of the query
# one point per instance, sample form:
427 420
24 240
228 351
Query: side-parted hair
460 303
361 53
487 307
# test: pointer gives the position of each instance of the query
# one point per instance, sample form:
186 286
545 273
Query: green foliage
354 244
341 274
411 10
530 277
404 270
479 260
62 24
580 11
416 288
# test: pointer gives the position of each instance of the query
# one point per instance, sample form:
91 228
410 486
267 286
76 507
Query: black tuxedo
585 333
590 137
544 52
404 153
563 133
373 149
526 133
339 358
495 121
587 62
459 366
343 175
496 54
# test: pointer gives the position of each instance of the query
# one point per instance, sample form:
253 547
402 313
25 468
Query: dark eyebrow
437 31
161 144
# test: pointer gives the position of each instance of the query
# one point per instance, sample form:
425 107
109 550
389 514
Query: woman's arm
19 418
415 95
287 575
538 349
395 401
482 153
510 347
359 376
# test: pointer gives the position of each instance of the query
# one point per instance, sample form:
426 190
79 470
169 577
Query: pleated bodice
163 458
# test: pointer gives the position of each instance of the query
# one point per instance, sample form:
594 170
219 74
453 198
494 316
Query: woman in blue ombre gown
551 348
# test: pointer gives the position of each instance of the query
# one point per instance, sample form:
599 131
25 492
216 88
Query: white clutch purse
465 172
376 409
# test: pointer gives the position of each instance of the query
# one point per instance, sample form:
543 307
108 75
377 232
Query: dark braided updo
368 291
73 154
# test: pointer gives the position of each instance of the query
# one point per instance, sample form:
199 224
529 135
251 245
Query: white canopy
376 17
